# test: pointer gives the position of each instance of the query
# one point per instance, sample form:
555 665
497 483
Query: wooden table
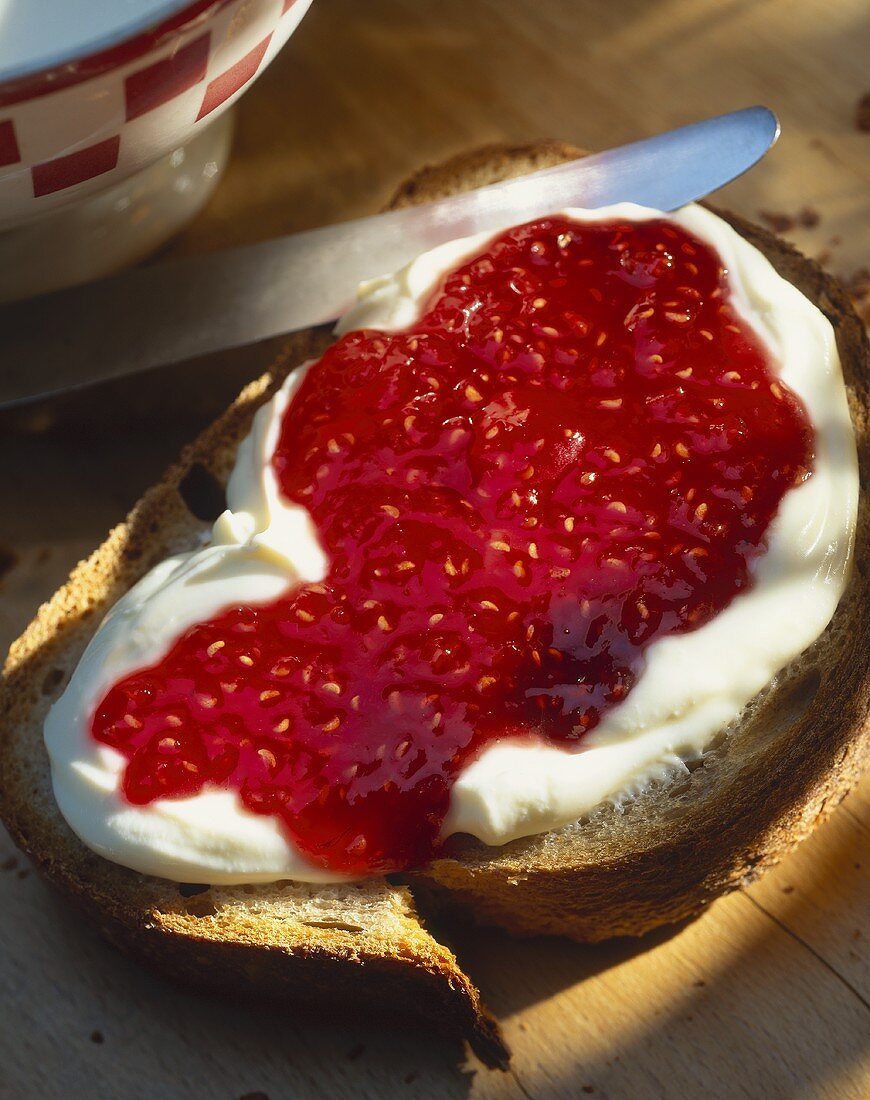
767 994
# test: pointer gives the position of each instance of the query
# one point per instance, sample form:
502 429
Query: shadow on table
731 1004
111 1025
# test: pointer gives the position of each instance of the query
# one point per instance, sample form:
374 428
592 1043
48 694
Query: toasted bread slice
664 857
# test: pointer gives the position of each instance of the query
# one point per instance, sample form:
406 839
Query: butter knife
168 312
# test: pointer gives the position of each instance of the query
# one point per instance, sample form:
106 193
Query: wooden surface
767 994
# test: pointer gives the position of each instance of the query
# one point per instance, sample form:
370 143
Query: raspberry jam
576 450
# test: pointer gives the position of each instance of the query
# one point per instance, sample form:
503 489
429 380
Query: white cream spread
691 686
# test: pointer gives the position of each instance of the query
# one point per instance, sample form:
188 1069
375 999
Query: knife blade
168 312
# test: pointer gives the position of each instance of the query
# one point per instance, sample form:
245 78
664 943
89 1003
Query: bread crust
666 858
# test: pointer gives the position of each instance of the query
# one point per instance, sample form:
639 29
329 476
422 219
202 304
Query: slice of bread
664 857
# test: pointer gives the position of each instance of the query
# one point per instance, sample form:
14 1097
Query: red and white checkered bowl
80 126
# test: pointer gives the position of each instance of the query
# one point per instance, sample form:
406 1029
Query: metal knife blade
168 312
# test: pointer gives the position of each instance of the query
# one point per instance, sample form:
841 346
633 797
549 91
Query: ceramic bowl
114 125
82 123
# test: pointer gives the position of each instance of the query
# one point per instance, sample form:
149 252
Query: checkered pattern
85 164
232 80
83 137
9 152
161 81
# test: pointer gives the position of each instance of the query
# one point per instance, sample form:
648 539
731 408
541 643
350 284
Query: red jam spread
577 449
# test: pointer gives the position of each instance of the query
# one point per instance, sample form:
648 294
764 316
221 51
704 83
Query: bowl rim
127 43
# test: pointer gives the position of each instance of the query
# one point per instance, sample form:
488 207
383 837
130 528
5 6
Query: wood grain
767 994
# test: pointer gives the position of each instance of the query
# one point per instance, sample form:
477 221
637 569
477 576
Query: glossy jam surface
577 449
